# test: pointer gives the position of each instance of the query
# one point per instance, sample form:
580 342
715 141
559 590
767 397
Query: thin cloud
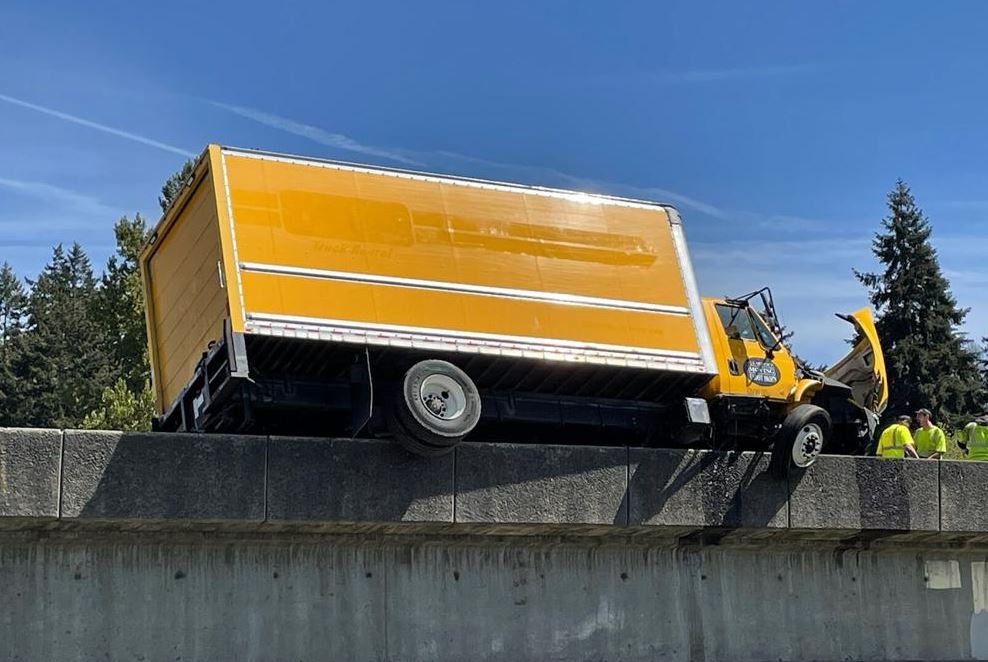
65 198
973 205
514 171
650 193
95 125
727 74
966 277
775 222
752 253
424 159
315 134
790 223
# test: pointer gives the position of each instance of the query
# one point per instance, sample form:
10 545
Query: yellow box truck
298 295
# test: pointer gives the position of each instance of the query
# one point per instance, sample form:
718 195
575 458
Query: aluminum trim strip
467 346
573 196
465 288
693 294
233 236
448 337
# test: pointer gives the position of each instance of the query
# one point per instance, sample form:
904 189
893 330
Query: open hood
863 369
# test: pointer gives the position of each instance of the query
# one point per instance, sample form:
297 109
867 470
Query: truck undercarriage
308 387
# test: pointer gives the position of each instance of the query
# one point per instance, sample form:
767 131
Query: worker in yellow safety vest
930 440
896 441
976 438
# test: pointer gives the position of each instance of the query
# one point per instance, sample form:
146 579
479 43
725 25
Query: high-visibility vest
929 441
893 441
977 441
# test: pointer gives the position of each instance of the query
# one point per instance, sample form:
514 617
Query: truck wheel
436 406
409 441
803 435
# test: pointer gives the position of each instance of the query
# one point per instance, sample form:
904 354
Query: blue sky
776 127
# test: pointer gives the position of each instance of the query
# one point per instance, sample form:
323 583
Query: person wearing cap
931 442
976 438
896 441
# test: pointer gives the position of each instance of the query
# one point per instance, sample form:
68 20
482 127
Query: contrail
584 183
314 133
95 125
70 199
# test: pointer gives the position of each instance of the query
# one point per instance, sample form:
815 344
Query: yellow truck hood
863 369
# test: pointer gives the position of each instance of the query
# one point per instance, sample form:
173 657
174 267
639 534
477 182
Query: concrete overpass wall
147 547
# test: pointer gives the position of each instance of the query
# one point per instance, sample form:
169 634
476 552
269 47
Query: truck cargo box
286 270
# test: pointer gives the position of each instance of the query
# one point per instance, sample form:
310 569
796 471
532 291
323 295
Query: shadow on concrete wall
225 477
155 476
694 488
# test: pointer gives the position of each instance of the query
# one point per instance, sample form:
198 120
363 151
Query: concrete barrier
867 494
339 480
964 497
148 595
524 484
30 472
202 479
118 476
698 489
147 546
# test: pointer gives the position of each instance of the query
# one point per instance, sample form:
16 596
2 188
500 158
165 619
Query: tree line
73 344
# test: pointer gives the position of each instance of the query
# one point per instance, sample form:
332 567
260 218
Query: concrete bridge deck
145 546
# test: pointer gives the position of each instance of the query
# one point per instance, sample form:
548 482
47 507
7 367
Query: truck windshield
746 324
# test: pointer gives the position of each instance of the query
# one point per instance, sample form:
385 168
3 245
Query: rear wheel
805 432
436 405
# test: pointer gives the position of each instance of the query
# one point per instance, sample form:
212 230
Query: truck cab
760 383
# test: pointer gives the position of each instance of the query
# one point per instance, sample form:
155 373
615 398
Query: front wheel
805 432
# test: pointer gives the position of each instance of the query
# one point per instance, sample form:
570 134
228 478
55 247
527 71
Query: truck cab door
746 341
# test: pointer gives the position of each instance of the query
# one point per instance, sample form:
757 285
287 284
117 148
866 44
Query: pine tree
63 366
13 302
120 304
128 403
174 184
983 361
928 360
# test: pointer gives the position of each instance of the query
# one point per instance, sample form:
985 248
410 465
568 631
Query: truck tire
803 436
409 441
436 405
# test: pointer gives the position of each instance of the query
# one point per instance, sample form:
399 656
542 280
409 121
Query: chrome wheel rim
442 397
807 446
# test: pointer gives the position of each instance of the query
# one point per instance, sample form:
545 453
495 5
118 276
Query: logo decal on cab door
762 372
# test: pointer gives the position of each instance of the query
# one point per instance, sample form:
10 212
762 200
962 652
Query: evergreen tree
983 360
120 304
13 302
174 184
928 361
63 365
